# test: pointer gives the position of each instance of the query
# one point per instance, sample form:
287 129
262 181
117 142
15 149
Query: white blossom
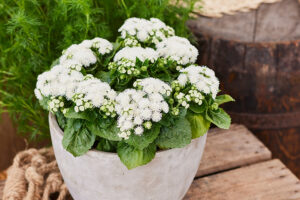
153 85
177 49
135 108
132 53
80 54
91 92
102 45
55 103
202 78
59 81
150 31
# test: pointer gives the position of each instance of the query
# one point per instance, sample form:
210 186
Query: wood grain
269 180
1 189
10 142
259 67
227 149
269 23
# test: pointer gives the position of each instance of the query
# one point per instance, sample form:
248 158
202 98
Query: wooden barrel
256 56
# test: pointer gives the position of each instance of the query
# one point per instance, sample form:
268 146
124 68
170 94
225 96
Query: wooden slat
1 189
269 180
227 149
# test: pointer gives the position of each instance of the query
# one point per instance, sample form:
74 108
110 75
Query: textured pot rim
59 133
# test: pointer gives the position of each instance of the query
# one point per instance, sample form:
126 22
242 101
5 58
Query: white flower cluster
91 92
85 91
136 110
83 55
131 42
202 78
55 103
102 45
153 85
193 95
149 31
59 81
132 53
177 49
125 59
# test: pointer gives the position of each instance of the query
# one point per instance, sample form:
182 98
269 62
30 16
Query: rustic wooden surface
1 189
256 57
269 23
10 142
269 180
227 149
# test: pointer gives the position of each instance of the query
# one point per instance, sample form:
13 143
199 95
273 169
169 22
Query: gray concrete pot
101 175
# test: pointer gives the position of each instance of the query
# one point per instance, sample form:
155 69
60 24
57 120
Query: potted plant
128 120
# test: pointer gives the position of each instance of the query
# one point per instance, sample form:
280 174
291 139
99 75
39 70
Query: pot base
101 175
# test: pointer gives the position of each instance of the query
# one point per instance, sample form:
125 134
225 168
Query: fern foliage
33 33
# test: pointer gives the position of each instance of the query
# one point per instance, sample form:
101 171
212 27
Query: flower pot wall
101 175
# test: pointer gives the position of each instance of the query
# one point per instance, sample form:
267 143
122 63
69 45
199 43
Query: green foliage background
33 34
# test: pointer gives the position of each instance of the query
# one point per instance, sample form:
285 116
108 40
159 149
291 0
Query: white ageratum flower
153 85
91 92
136 109
72 64
125 59
152 31
177 49
102 45
59 81
202 78
80 54
132 53
55 103
131 42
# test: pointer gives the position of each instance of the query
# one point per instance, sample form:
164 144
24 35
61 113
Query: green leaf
199 125
110 132
132 157
44 103
142 141
87 115
62 121
198 109
77 139
104 76
176 136
107 145
218 117
223 99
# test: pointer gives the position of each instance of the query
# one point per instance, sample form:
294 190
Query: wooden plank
269 180
227 149
1 189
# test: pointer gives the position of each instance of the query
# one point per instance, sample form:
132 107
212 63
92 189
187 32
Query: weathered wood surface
227 149
269 23
269 180
10 142
256 57
1 189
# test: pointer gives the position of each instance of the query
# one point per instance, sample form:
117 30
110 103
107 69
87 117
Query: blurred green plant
33 33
